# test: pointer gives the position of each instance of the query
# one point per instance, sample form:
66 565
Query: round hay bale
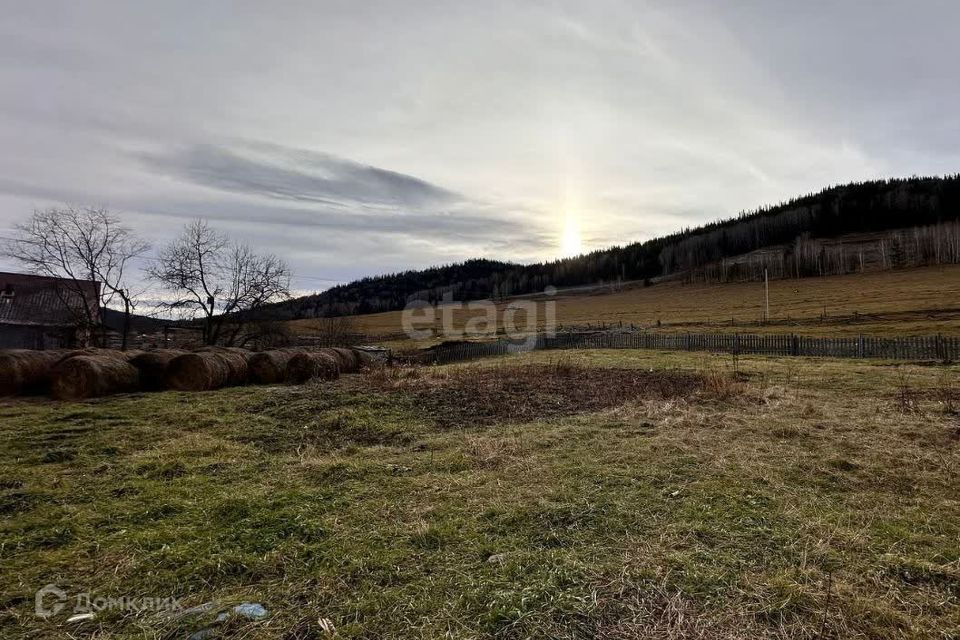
94 351
206 370
23 371
218 349
70 353
365 358
338 357
348 359
199 371
238 367
307 365
152 366
87 376
270 367
237 360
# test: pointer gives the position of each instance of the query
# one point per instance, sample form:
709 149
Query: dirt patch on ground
524 393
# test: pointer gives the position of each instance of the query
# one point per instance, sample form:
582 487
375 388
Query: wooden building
39 312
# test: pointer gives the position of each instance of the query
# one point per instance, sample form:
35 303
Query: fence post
860 346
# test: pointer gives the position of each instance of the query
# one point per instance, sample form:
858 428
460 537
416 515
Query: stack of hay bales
92 375
306 365
207 369
96 351
347 359
270 367
87 373
218 349
26 372
368 359
153 365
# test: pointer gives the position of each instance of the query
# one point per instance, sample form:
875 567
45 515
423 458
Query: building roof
27 299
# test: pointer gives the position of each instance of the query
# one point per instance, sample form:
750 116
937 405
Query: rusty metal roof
27 299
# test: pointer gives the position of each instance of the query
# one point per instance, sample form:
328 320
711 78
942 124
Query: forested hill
885 223
468 280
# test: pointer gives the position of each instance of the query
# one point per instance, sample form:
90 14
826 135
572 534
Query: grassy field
579 495
909 302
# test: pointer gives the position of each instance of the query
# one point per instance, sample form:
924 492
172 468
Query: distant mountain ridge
914 221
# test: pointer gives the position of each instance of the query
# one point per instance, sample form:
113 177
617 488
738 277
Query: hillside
903 302
465 281
852 228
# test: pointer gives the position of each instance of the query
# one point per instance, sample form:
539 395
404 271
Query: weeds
947 393
906 397
942 396
722 385
483 395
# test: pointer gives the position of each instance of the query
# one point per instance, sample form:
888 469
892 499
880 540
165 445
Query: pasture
907 302
603 494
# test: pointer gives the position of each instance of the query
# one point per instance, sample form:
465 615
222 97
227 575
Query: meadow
922 301
591 494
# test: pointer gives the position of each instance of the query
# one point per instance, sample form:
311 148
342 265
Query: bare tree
218 281
267 334
77 245
335 331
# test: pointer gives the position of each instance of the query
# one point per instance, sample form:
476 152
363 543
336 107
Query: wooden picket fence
920 348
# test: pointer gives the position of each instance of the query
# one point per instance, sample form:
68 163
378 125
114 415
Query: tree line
911 218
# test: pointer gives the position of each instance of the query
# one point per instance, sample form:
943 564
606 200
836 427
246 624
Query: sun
571 244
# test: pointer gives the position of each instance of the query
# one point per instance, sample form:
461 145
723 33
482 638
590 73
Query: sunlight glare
570 243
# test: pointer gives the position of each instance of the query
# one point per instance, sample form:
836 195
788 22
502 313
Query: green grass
725 513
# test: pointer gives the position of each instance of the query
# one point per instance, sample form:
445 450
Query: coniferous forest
879 224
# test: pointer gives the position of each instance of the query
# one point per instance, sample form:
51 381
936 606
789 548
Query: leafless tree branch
80 244
215 279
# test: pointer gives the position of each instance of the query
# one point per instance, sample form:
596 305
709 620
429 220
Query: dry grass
475 395
793 500
915 301
492 452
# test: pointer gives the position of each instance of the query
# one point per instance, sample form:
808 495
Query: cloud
272 186
361 139
301 175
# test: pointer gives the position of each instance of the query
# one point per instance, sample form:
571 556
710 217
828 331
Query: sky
358 138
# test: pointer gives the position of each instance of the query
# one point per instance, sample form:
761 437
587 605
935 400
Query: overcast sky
355 138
